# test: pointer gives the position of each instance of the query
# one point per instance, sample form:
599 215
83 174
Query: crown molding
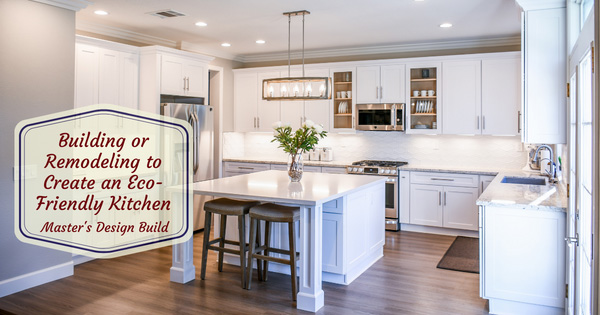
386 49
527 5
123 34
197 48
73 5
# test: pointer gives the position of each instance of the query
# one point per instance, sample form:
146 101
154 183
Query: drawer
334 206
284 167
245 167
279 167
445 179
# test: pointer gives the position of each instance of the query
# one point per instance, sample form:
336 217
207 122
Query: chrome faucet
552 172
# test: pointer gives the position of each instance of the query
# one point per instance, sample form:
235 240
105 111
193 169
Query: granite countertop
551 197
409 167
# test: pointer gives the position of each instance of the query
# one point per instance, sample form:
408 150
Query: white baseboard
35 278
80 259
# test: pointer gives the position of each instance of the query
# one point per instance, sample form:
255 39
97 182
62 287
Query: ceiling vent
166 13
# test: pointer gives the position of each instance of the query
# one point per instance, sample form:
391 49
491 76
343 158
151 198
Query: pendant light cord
289 36
303 44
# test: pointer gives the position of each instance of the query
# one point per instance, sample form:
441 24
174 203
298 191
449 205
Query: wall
484 152
36 78
227 110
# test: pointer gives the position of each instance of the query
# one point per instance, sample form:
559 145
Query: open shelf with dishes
343 93
423 88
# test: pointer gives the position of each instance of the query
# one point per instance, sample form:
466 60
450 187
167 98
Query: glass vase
295 167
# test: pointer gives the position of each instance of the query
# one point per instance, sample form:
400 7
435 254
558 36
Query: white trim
123 34
207 51
181 53
79 39
35 278
527 5
73 5
337 52
437 230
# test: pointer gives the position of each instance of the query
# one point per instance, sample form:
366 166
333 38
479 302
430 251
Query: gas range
373 167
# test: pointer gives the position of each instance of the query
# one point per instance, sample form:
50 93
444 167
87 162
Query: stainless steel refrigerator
200 118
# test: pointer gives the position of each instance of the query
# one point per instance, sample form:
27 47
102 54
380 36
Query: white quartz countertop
550 197
275 186
409 167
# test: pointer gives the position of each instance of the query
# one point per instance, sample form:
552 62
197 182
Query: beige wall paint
227 110
37 71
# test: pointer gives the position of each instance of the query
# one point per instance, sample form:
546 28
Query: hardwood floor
404 281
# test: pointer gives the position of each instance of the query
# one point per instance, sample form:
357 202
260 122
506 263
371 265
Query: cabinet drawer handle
439 198
184 83
483 123
444 198
245 168
446 179
477 122
519 122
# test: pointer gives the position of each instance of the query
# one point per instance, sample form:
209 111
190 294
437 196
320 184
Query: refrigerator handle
196 140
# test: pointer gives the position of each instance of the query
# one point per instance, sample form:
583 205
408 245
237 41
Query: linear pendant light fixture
297 88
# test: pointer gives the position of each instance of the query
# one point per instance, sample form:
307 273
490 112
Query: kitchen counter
530 197
409 167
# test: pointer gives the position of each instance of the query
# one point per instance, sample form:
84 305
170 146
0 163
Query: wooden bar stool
226 207
269 213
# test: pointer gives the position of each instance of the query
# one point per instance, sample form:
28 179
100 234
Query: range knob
393 171
349 169
361 169
355 169
381 171
387 171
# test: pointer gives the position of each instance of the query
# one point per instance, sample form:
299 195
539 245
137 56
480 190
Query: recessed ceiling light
100 12
201 24
419 0
260 41
226 44
446 25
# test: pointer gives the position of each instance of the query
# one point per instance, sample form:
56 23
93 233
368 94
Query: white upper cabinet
501 96
245 101
106 73
544 75
380 84
267 112
482 96
461 83
172 72
183 76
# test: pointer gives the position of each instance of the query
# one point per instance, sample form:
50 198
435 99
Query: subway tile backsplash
439 150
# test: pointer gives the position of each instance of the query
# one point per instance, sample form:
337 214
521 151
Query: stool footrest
225 249
273 259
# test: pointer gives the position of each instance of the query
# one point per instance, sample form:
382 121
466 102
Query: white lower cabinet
444 200
528 278
485 181
239 168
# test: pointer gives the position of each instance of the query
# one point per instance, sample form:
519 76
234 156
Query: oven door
392 222
375 117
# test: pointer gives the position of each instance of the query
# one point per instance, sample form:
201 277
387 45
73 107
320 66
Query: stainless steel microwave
379 117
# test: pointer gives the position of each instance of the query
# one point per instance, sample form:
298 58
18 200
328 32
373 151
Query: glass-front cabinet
423 106
343 105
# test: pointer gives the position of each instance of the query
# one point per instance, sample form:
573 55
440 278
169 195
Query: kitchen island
521 245
356 200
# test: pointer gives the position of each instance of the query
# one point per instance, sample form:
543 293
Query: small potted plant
297 142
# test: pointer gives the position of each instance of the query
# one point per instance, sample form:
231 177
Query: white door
196 75
172 76
245 101
582 174
461 83
86 75
426 204
108 80
392 84
367 85
500 96
268 112
128 94
584 220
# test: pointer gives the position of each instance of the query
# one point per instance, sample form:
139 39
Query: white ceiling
332 24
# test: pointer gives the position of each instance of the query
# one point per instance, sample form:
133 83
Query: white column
183 269
311 296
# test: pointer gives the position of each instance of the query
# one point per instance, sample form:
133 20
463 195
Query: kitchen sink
524 180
